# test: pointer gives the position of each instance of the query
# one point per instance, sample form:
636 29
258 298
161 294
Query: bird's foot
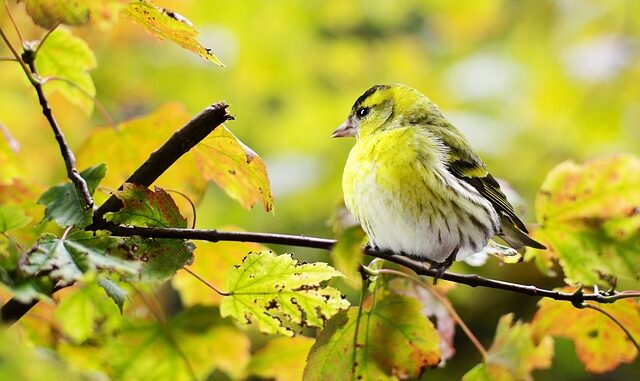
441 267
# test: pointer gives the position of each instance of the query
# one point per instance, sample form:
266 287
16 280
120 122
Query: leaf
395 341
161 258
600 344
208 255
84 312
282 359
579 207
432 309
186 347
278 293
347 254
68 260
12 217
514 354
166 24
48 13
131 143
66 56
235 168
114 291
65 206
143 207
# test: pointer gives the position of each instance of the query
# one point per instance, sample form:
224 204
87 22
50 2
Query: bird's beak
345 129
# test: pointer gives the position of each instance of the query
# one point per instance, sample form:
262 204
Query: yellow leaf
224 159
600 344
282 359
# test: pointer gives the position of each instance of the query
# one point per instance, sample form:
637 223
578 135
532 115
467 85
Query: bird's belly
407 220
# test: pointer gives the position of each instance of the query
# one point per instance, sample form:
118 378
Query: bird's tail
515 237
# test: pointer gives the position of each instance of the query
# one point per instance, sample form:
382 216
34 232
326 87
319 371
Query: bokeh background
531 83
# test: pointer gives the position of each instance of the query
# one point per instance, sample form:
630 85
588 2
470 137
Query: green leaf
144 207
514 354
26 289
65 206
235 168
186 347
347 254
600 344
278 293
48 13
166 24
114 291
282 359
12 217
160 258
85 313
394 341
68 260
66 56
587 214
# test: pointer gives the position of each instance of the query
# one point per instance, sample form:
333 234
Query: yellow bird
415 184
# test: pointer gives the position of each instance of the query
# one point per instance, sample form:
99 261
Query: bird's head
384 107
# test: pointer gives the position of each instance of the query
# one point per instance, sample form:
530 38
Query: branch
27 62
473 280
161 159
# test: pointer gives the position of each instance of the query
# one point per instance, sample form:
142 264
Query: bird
415 184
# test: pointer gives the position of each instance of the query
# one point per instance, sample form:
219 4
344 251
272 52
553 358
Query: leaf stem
35 53
27 72
13 21
610 316
204 281
103 111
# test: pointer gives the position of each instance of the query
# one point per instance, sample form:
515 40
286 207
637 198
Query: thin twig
8 59
15 26
213 235
445 302
14 145
105 115
204 281
69 158
607 314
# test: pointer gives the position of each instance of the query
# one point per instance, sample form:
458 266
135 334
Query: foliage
279 294
531 84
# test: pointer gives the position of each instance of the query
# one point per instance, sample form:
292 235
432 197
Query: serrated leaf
64 55
208 256
12 217
144 207
131 143
186 347
160 258
65 206
84 312
114 291
234 167
395 341
48 13
166 24
68 260
279 294
586 212
347 254
514 353
282 359
600 344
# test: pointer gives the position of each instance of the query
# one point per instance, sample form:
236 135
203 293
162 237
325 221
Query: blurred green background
531 83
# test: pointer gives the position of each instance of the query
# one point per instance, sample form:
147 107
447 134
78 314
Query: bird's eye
362 112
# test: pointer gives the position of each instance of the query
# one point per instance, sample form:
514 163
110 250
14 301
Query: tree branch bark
576 298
